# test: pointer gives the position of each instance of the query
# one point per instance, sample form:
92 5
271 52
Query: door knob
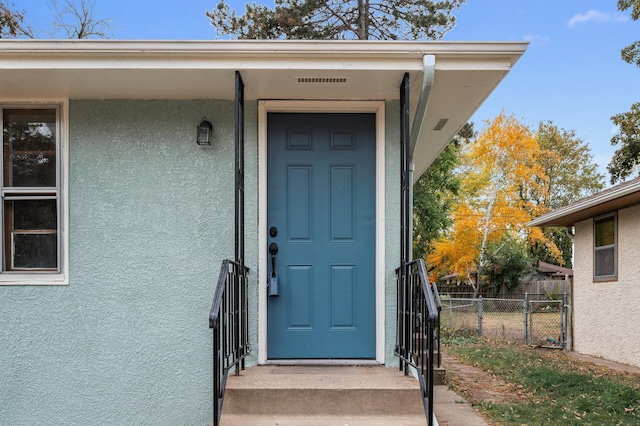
273 280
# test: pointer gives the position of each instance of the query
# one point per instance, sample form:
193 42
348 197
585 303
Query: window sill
605 279
32 279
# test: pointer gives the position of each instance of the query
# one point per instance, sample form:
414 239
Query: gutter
381 50
428 75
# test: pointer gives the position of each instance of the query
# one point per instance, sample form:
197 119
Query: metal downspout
428 75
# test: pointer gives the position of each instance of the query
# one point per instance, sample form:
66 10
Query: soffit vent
441 124
322 80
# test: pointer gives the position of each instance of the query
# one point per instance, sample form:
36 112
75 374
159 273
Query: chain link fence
533 321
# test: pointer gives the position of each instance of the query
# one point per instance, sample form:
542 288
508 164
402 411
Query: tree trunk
485 236
363 20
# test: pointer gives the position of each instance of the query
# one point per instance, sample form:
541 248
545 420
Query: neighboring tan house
553 272
543 271
116 222
606 294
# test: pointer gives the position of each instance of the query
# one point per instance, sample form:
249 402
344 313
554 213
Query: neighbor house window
605 255
31 194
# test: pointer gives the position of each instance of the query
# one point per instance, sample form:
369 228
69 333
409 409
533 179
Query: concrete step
326 420
439 374
327 394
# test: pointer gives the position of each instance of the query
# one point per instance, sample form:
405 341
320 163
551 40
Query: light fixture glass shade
205 128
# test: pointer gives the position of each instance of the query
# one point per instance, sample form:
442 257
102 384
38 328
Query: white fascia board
248 54
474 64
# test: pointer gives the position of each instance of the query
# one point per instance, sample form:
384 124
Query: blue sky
571 74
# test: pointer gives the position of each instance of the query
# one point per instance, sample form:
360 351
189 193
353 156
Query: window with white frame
605 252
31 193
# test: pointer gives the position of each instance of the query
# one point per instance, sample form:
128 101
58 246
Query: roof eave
607 201
465 74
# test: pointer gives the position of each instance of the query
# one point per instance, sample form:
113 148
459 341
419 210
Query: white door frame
376 107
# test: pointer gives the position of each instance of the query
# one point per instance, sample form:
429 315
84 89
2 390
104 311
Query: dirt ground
478 385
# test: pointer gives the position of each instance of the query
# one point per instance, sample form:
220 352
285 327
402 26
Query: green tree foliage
626 159
568 165
570 174
434 194
631 53
506 262
338 19
539 251
432 198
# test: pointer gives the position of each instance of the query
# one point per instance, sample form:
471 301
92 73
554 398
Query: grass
556 389
505 325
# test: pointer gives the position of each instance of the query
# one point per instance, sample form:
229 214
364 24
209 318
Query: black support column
405 176
239 171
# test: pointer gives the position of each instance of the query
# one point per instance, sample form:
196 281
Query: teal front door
321 216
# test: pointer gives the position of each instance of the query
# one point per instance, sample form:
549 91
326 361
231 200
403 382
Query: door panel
321 200
299 193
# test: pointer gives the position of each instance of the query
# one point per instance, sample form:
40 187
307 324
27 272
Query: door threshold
329 362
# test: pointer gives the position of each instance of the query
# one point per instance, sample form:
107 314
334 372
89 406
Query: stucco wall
606 314
151 219
392 225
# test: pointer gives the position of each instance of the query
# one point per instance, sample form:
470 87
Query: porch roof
465 74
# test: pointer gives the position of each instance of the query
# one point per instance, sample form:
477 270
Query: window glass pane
31 232
29 147
605 262
35 251
34 214
605 232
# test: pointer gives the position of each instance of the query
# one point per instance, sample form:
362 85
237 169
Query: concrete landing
322 395
336 396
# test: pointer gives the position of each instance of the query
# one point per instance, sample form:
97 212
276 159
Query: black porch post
240 308
239 171
405 196
405 211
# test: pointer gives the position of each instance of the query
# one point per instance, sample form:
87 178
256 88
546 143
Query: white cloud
537 40
595 16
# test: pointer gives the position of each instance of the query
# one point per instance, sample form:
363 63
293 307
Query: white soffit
466 73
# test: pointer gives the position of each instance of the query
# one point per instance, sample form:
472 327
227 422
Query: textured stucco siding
606 314
151 219
392 225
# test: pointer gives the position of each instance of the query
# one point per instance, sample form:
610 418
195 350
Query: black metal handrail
436 295
229 320
417 328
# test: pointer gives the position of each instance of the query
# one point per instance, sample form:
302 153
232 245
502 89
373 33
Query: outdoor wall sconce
205 128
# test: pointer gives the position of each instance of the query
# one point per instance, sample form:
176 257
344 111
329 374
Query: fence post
525 310
566 339
480 315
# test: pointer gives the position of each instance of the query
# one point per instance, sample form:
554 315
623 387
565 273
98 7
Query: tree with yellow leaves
499 169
